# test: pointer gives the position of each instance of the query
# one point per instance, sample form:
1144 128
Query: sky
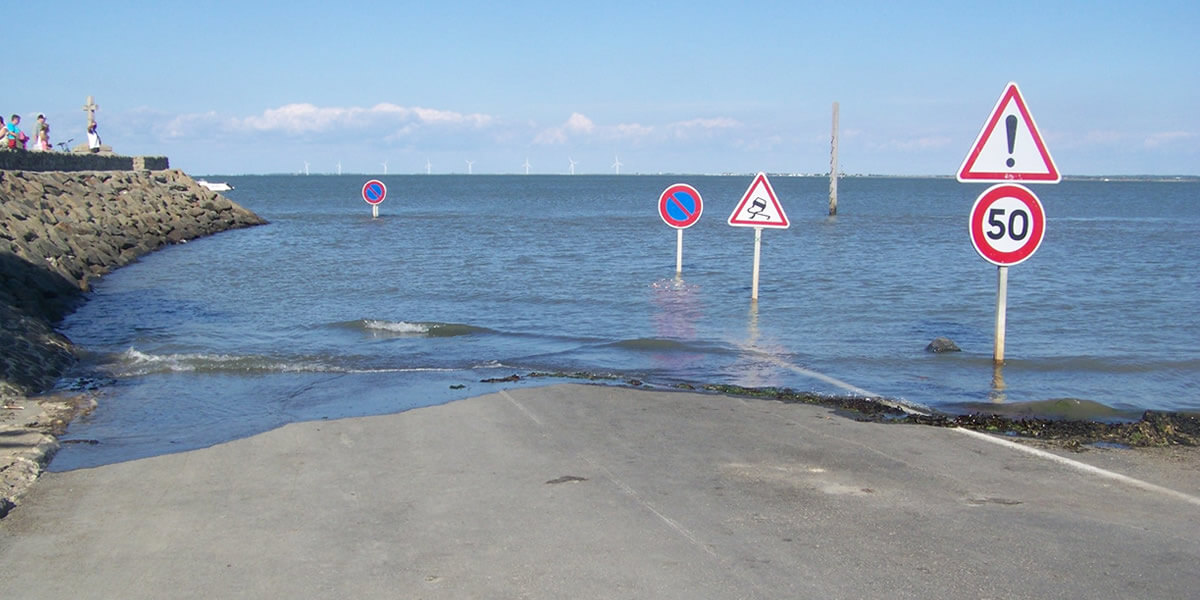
678 87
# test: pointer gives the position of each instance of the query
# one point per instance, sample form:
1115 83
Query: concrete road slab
580 491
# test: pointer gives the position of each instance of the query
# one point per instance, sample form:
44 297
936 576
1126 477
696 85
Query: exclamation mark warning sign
1010 123
1009 147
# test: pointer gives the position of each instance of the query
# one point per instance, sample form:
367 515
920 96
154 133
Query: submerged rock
942 344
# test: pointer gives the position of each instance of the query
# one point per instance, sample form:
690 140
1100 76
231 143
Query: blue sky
684 87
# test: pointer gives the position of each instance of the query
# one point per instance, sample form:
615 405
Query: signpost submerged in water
1007 221
1007 225
759 208
374 192
680 207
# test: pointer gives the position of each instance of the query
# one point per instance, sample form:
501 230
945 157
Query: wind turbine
306 167
617 164
526 165
572 161
469 163
339 167
428 167
385 167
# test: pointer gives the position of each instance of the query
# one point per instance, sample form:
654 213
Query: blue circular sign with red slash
374 191
680 206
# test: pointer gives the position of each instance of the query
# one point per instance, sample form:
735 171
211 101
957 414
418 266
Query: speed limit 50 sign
1007 224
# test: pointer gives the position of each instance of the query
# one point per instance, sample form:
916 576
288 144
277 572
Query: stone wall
76 161
59 231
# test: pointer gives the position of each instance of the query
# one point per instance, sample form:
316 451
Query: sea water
327 312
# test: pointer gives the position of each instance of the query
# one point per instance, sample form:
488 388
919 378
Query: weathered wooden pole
833 166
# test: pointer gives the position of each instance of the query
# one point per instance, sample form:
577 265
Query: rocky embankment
59 232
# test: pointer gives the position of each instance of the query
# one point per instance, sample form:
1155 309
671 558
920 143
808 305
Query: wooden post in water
1001 313
833 166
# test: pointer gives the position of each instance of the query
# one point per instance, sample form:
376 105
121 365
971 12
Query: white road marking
853 389
1086 468
629 491
527 412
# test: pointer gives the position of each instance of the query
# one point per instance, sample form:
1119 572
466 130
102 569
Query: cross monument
91 109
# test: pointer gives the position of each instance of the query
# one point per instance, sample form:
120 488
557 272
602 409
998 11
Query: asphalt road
580 491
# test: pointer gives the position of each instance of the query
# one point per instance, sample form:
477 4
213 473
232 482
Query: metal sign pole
374 211
679 251
1001 310
757 250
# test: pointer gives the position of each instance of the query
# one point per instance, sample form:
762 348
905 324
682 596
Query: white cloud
430 115
702 126
576 124
633 130
550 137
579 126
1167 137
340 133
303 118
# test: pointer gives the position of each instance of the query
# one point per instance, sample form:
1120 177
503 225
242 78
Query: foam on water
135 363
395 327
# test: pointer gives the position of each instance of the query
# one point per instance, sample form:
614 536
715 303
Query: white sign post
1007 221
759 208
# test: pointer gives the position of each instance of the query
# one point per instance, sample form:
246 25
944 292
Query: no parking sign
680 207
374 192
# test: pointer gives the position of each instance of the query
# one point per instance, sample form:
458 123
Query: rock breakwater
59 231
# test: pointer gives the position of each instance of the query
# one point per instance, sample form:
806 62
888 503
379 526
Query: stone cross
91 109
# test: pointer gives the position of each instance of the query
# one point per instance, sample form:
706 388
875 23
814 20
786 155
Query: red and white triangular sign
1009 147
759 207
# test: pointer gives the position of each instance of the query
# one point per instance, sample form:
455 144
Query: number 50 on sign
1007 224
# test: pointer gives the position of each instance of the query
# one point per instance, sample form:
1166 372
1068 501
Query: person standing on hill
41 135
93 137
15 138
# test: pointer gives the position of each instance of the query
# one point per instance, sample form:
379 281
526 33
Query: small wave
134 363
401 370
490 364
384 328
1053 408
651 344
674 285
1105 364
669 345
400 327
